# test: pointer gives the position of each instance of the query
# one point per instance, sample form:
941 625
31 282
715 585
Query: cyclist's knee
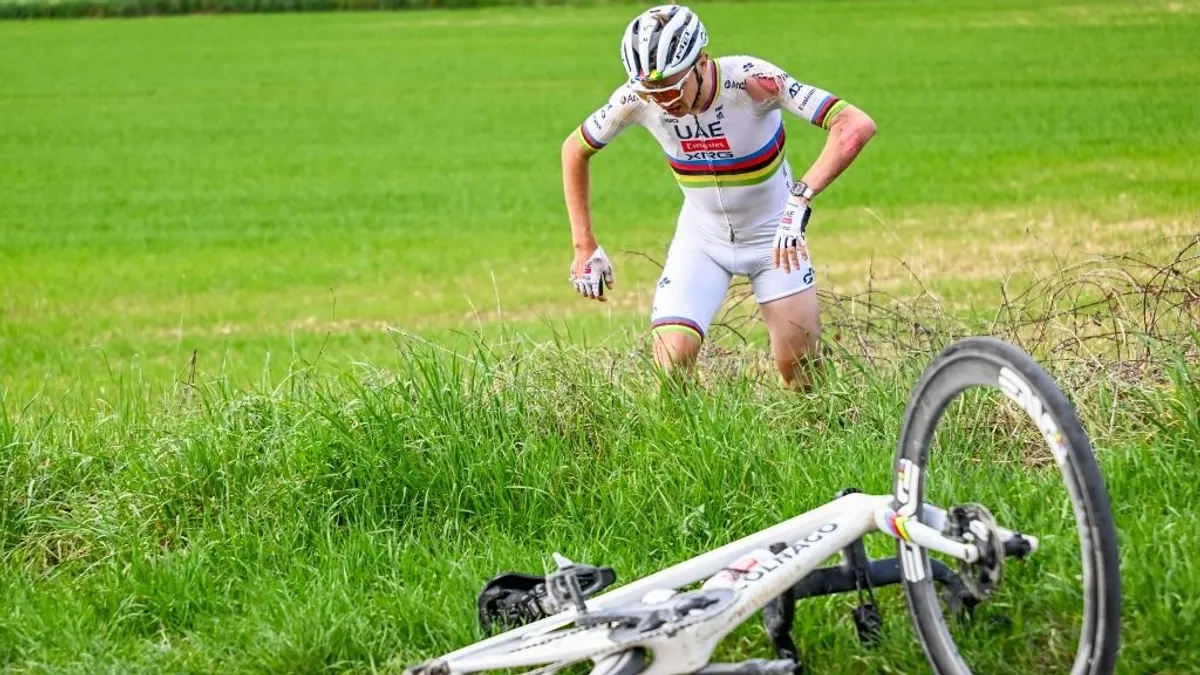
797 343
797 355
675 345
798 366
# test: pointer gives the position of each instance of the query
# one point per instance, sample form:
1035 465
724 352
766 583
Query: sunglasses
664 96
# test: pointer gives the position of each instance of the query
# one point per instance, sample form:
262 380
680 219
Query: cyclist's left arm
849 127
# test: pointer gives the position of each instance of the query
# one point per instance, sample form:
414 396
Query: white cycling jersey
729 159
730 164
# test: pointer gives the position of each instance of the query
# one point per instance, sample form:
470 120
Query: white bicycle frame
686 645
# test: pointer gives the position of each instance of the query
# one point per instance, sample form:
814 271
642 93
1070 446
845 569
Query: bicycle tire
990 362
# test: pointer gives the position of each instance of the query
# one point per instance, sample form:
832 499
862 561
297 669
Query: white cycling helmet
662 41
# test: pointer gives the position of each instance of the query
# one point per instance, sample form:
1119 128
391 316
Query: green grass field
264 205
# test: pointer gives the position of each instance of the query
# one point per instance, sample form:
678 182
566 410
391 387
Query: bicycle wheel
993 364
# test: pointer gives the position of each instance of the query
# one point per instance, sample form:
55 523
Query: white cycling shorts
698 271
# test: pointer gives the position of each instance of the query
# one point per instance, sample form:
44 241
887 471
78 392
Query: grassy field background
256 204
263 185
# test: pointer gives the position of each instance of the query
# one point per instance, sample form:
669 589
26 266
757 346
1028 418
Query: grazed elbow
856 131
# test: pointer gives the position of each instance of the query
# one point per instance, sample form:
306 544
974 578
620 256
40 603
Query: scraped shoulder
762 80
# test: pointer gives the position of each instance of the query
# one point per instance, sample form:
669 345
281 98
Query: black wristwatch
801 189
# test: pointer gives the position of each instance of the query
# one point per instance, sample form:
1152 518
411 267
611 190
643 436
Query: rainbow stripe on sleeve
827 111
589 142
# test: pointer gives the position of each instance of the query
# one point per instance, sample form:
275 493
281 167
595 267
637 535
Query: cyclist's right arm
597 131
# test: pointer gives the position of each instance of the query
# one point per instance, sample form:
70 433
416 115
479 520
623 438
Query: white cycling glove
597 273
790 248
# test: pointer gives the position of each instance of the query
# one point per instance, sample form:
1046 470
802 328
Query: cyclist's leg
690 291
792 315
794 324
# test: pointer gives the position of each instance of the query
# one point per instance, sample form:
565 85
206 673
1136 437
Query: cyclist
719 122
